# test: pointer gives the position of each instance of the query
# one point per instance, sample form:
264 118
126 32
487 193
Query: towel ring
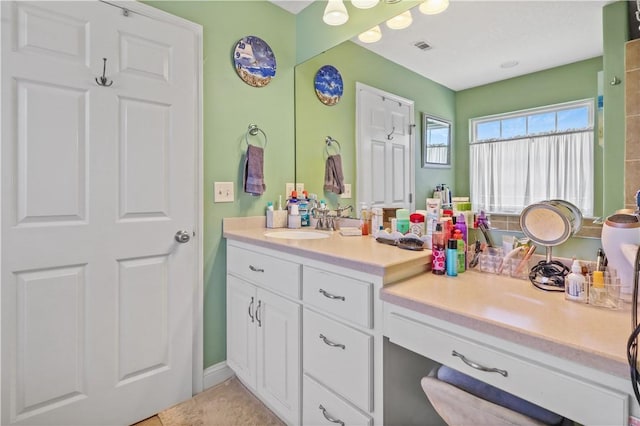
330 141
253 130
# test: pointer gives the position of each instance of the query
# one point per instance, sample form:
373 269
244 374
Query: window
524 157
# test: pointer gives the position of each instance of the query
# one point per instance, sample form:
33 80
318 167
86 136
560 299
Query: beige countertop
361 253
515 310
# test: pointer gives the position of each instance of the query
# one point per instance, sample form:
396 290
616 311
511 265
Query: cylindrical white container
620 239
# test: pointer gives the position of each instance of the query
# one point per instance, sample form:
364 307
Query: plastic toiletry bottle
461 224
364 219
303 208
575 284
416 224
452 258
597 292
293 220
269 206
402 220
437 250
461 251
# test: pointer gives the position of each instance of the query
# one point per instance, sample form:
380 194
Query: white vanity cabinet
305 336
263 329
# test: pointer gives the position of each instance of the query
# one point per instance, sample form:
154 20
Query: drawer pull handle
332 344
254 269
478 366
328 417
258 313
251 313
331 296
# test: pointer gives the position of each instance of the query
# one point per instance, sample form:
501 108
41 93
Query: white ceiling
472 38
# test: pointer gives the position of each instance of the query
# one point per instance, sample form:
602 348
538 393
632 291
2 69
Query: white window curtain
506 176
437 154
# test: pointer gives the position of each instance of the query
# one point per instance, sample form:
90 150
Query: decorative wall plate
254 61
328 84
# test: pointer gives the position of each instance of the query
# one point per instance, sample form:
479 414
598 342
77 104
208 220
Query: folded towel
333 177
253 171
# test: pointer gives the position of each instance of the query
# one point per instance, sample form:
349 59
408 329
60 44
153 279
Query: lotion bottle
575 284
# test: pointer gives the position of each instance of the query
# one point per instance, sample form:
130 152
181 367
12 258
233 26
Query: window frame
526 113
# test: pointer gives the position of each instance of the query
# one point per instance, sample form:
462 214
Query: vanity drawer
339 357
569 396
267 271
339 295
323 407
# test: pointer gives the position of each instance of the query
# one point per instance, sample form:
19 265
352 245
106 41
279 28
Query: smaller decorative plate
328 84
254 61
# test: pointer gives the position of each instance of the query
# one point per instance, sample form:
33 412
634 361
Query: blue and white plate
254 61
328 84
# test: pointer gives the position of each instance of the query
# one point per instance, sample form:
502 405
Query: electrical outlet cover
347 191
290 187
299 188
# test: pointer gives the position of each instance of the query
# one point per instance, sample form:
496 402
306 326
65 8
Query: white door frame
412 139
198 297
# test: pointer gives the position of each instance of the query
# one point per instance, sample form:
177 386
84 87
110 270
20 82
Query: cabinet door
279 369
241 329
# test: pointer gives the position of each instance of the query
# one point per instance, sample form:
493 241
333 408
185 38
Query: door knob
182 237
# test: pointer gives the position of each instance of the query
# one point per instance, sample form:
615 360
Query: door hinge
410 197
411 126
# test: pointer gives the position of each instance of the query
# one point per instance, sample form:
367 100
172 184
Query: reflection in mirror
436 142
518 88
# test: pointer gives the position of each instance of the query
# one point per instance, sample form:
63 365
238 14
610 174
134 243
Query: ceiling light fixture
401 21
433 7
335 13
364 4
371 36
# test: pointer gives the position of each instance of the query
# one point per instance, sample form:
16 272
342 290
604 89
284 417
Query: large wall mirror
455 103
436 141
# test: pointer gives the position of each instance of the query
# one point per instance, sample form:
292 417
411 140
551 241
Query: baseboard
217 374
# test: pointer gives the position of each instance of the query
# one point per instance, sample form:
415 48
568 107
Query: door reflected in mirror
436 142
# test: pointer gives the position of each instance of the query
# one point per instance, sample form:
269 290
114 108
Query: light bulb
433 7
371 36
335 13
364 4
401 21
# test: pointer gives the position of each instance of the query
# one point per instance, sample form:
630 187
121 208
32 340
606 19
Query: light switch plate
223 192
347 191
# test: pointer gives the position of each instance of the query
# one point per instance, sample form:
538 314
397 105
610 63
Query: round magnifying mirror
550 223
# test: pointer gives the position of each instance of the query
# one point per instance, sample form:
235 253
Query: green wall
230 106
315 121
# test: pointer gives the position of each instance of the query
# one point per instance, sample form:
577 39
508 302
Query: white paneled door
385 149
97 293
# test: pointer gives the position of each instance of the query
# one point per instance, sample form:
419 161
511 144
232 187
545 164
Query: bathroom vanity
307 321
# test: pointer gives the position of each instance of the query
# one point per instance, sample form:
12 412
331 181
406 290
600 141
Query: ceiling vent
422 45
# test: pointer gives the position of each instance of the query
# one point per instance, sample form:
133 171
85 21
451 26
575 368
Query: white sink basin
296 235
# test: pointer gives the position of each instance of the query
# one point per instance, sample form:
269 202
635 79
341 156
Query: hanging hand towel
253 171
333 177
